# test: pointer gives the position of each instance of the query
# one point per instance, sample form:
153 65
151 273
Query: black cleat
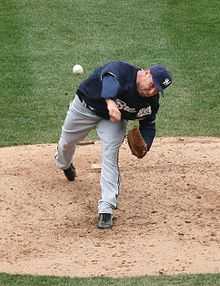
70 173
105 221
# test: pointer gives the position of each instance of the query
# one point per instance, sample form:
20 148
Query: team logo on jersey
123 105
141 113
144 111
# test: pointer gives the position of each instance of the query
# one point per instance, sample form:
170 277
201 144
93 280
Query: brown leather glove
136 143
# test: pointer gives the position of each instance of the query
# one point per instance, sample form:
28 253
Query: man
106 100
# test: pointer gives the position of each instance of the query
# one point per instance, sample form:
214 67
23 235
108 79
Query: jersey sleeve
110 86
112 69
147 128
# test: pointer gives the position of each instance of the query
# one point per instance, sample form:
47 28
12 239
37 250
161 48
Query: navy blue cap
161 77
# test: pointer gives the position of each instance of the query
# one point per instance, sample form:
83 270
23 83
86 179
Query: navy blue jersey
131 105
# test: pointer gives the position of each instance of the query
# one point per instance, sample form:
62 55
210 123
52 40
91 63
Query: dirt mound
167 221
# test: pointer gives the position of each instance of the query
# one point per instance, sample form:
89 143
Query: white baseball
78 69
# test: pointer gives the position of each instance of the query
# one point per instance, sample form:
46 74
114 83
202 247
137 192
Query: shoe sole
104 227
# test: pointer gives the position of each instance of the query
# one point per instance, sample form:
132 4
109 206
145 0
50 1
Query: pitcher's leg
79 121
112 136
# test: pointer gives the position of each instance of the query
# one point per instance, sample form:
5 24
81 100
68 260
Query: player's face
145 84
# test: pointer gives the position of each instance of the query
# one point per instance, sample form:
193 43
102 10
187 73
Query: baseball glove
136 143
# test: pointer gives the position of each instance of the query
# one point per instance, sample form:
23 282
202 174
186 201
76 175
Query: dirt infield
168 220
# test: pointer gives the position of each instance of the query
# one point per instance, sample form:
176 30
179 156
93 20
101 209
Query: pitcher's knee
113 145
63 147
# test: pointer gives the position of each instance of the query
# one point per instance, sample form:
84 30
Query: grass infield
180 280
41 40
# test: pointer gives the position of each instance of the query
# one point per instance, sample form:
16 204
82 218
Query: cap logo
166 82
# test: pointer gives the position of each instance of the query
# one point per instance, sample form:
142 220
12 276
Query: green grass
40 40
180 280
192 38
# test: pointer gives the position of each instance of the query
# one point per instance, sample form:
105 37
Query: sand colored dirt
168 220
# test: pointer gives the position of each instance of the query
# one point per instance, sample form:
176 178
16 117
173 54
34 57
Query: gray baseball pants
79 121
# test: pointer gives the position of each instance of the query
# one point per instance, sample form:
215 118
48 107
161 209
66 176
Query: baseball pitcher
113 94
